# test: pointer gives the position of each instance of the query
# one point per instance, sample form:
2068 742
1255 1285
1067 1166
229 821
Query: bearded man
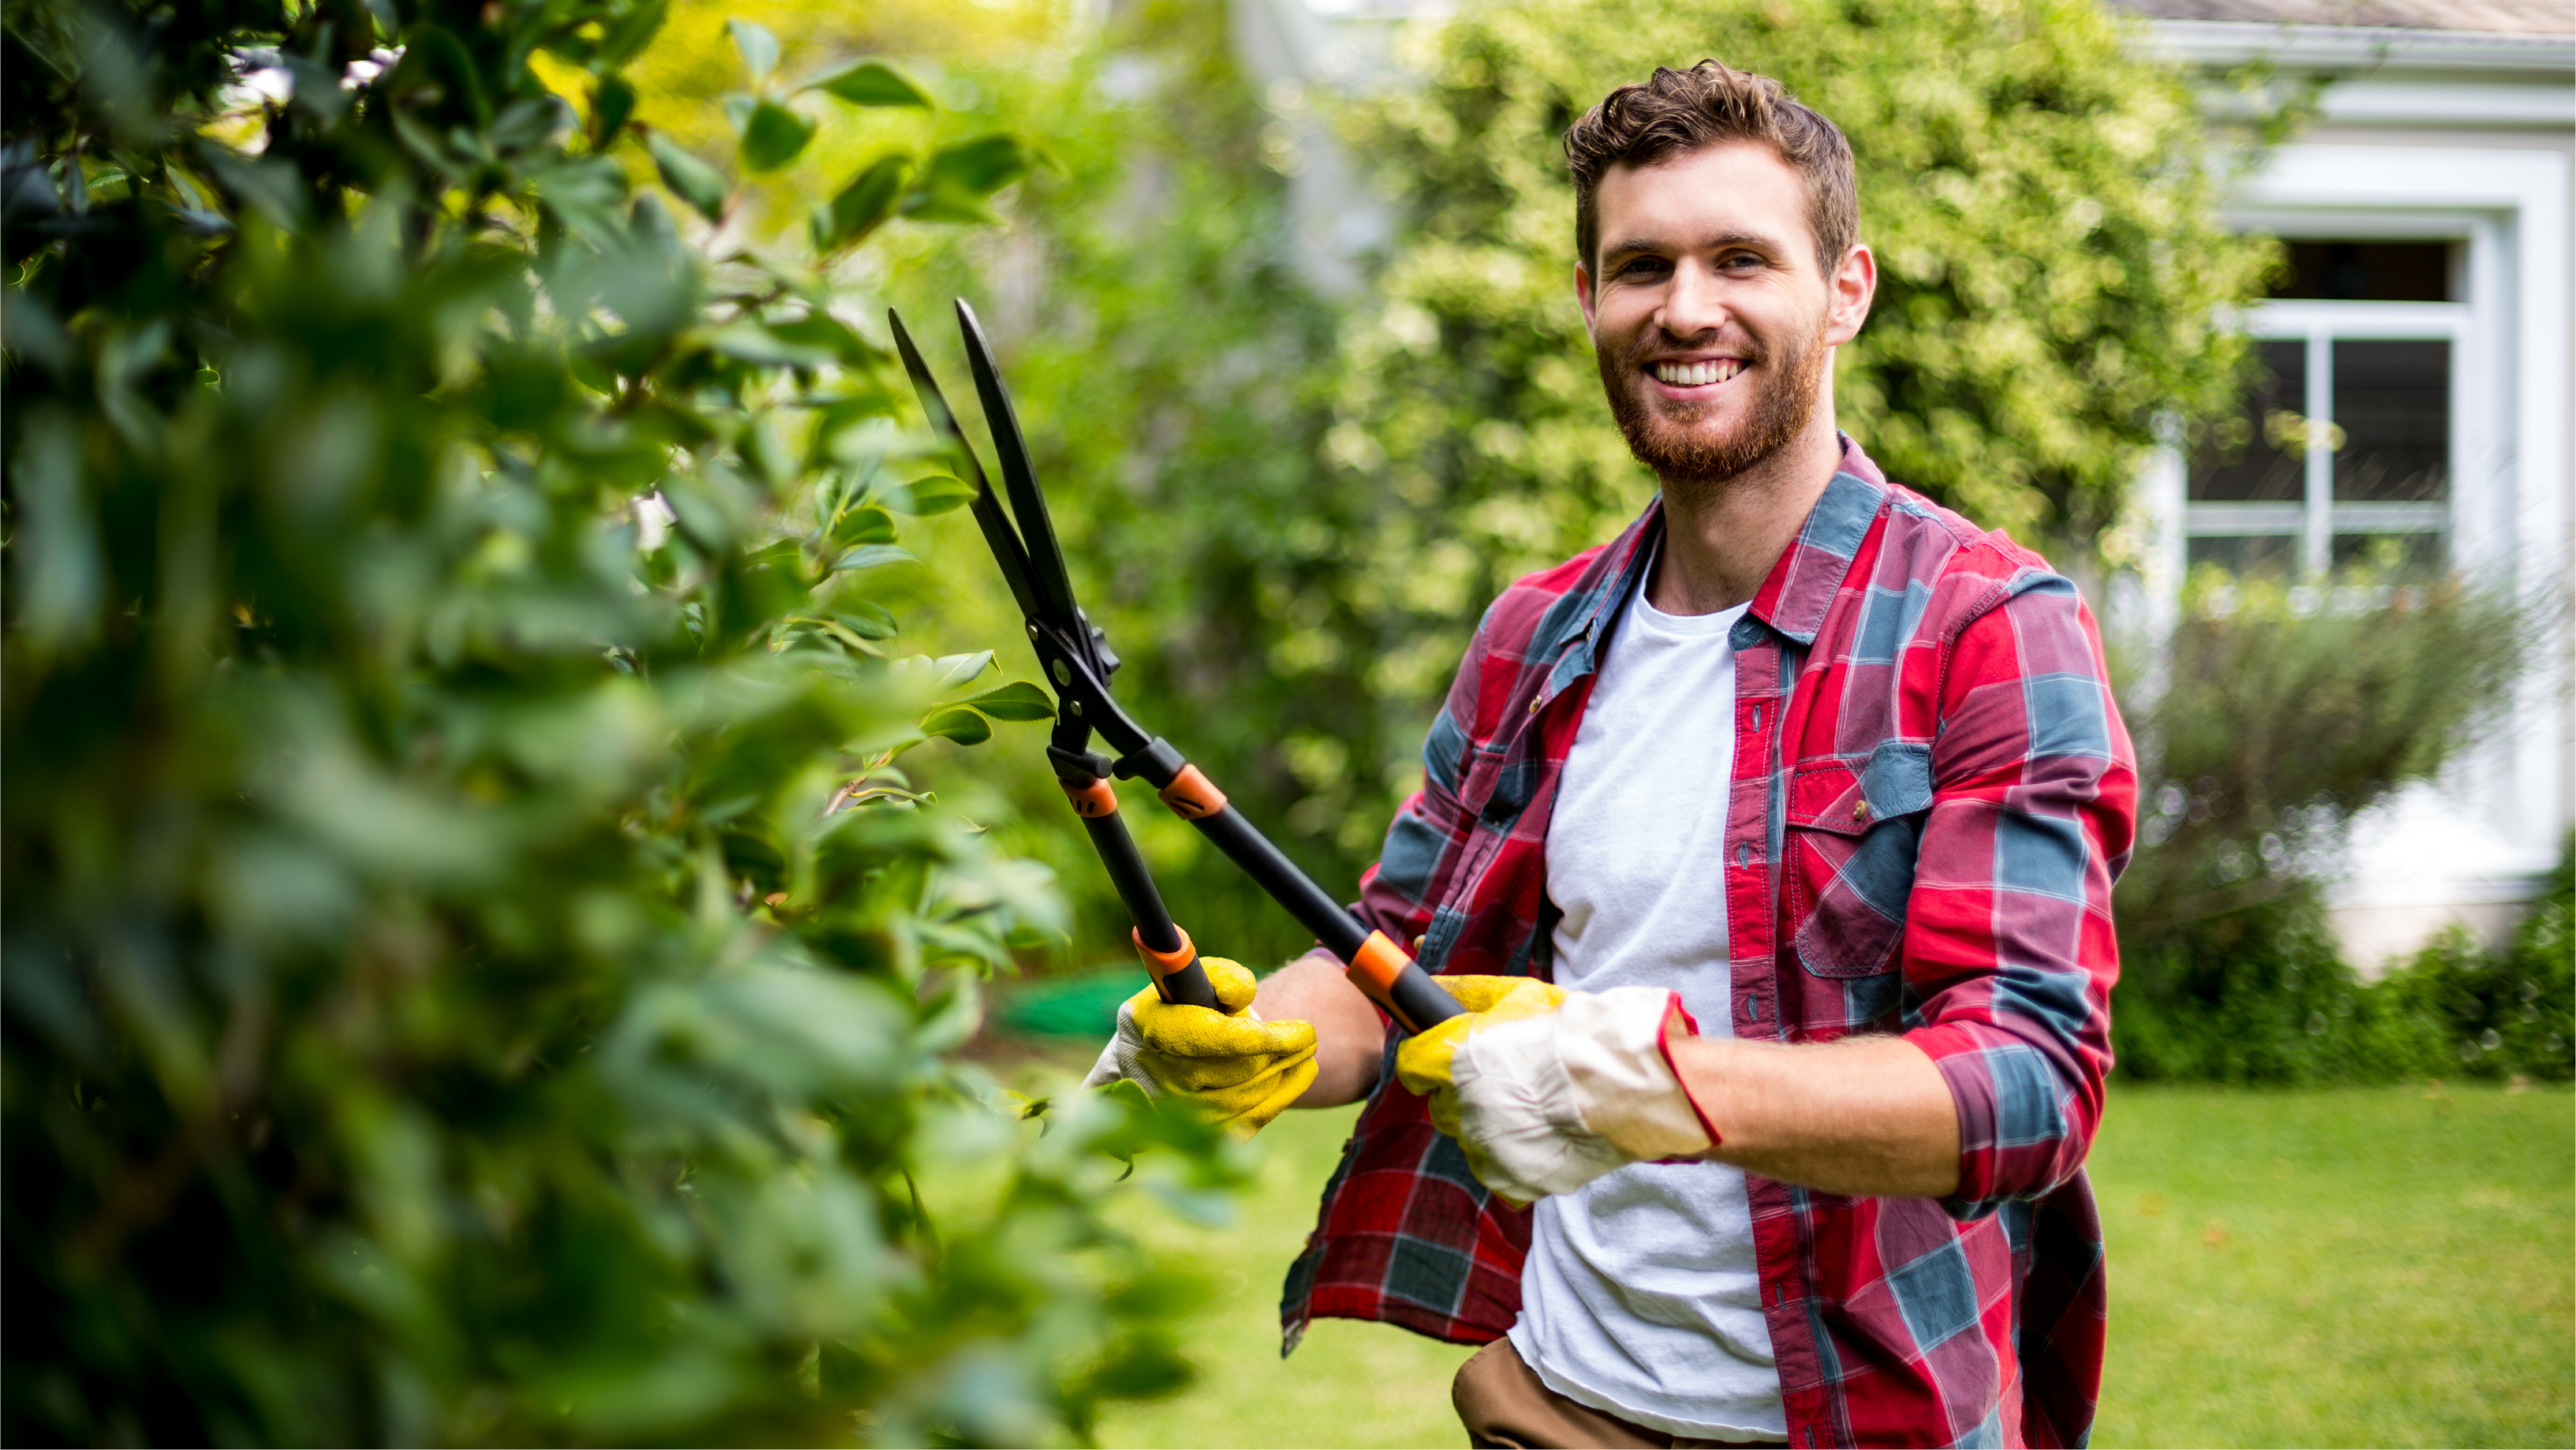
1771 847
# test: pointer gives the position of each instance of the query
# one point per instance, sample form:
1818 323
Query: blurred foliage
477 967
2274 714
1171 361
1149 234
2042 200
2259 994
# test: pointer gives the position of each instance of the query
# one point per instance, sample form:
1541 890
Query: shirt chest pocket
1854 828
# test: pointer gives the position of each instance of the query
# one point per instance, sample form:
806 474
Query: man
1771 846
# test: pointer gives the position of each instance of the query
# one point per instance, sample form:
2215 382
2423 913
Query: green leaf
773 136
627 35
925 497
801 628
1018 700
752 343
822 332
778 554
872 556
863 205
585 195
982 166
961 725
1146 1369
612 101
863 526
872 83
868 621
954 186
946 672
760 448
759 48
691 180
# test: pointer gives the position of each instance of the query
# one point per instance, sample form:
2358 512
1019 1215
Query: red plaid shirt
1932 795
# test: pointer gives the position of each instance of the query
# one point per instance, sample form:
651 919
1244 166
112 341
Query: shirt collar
1792 599
1810 571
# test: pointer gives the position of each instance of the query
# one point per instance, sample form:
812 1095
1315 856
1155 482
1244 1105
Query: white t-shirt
1640 1295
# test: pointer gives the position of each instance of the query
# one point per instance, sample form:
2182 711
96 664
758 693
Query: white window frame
2510 495
2317 518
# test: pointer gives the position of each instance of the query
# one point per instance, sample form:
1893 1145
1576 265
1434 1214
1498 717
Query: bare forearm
1863 1116
1350 1039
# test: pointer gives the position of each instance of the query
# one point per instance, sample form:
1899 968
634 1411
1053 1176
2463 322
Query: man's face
1712 323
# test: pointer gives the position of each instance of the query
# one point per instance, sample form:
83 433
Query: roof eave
2341 48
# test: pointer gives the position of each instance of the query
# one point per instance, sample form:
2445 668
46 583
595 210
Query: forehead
1734 188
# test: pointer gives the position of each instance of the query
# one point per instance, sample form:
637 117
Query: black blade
1046 557
999 536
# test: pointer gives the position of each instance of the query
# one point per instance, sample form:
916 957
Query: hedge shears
1077 662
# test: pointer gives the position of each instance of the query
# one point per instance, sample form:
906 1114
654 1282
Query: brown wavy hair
1679 111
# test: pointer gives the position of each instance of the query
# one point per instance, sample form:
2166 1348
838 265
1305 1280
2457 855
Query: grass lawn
2366 1266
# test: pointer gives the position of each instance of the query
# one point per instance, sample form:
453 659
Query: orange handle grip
1192 796
1163 964
1091 801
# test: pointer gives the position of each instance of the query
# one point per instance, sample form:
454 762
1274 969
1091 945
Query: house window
2347 445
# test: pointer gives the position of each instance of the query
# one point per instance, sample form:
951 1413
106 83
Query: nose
1692 304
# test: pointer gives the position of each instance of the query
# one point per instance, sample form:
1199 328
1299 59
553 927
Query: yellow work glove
1238 1069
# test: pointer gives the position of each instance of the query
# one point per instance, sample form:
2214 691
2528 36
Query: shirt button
1757 717
1743 854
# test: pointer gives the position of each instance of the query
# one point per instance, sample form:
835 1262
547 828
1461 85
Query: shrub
2277 713
2460 1008
476 966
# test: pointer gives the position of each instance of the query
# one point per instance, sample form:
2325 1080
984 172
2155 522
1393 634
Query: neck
1721 536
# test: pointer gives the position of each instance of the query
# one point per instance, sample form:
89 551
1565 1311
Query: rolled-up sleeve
2009 951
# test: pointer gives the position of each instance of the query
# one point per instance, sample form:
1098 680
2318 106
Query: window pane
2369 271
2243 553
2393 402
2254 457
2389 553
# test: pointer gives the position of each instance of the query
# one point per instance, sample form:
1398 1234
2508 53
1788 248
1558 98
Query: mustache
1753 353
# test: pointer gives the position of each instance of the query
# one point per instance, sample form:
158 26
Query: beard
1673 441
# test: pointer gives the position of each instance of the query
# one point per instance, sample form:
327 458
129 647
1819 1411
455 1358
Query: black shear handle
1375 965
1165 948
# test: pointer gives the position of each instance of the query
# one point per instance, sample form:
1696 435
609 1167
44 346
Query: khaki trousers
1503 1402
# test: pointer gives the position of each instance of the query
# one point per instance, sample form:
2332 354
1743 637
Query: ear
1583 295
1849 292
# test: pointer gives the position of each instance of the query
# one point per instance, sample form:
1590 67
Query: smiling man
1771 847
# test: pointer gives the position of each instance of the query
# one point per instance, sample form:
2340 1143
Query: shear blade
999 534
1028 504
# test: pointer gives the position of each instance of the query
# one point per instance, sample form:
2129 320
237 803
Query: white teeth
1692 375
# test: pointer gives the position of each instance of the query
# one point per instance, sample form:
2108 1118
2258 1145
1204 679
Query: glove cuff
1680 1018
1625 1086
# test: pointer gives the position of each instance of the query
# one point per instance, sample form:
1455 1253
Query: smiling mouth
1696 374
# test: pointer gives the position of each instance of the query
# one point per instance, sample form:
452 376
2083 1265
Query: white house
2428 323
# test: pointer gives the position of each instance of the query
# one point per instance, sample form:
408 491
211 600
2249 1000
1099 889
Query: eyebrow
1635 246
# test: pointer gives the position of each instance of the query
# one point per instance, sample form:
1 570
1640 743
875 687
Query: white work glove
1546 1101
